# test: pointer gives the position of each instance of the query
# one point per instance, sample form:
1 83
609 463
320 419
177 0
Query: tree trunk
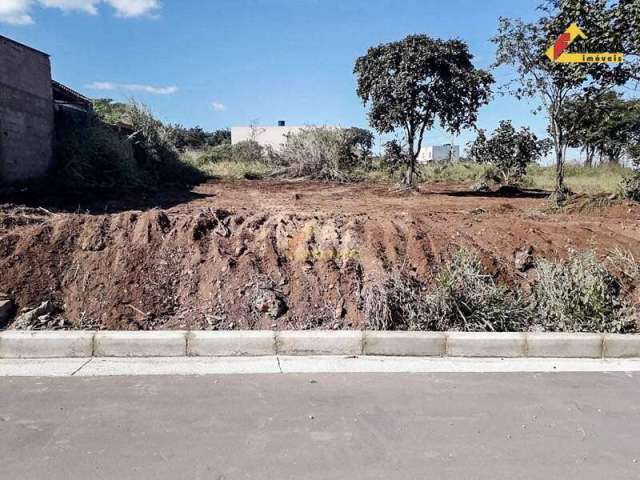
588 161
558 143
411 169
560 188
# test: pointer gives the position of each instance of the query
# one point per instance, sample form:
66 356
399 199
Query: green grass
580 179
459 172
226 169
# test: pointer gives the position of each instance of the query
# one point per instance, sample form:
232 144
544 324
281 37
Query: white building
439 153
274 137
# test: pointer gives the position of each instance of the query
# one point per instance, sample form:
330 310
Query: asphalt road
322 426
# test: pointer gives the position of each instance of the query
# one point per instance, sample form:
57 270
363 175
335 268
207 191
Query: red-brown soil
254 254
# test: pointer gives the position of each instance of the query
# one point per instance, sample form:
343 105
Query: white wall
273 137
438 153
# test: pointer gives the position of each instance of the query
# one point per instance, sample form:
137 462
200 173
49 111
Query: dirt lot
254 254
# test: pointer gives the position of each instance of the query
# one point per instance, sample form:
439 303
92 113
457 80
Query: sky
221 63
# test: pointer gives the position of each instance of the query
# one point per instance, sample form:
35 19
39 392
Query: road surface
322 426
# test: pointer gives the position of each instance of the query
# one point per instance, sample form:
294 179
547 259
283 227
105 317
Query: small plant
467 299
580 295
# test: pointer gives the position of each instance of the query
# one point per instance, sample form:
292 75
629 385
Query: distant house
28 100
273 137
439 153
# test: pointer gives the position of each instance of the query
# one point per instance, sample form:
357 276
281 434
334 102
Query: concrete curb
15 344
75 344
140 344
317 342
231 344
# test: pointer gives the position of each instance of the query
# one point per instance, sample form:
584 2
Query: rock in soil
32 317
6 310
524 259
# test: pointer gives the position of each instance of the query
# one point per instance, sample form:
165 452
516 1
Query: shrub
463 298
92 155
579 295
395 156
509 151
217 154
314 152
631 187
324 153
247 151
467 299
356 144
396 303
154 150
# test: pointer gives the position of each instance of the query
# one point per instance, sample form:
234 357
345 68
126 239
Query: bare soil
259 254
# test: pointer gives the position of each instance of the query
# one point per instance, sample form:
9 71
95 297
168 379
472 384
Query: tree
608 125
522 45
509 150
356 145
394 155
109 111
414 83
219 137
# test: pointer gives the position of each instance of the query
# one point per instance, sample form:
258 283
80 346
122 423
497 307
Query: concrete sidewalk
186 366
315 426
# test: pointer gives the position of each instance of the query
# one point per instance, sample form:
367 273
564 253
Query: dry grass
580 295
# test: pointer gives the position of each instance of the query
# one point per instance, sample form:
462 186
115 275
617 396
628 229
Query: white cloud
218 107
101 86
150 89
86 6
134 8
15 12
18 12
133 87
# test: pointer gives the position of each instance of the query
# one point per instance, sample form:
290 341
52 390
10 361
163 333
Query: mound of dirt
256 255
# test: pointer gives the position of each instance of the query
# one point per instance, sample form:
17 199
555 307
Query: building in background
269 137
26 112
439 153
30 104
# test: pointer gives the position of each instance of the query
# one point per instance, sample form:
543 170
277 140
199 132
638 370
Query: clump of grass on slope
397 303
463 298
580 295
467 299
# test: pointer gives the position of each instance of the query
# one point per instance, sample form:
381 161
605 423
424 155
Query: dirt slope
258 254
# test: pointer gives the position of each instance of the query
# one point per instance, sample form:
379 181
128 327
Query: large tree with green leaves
608 25
415 83
608 125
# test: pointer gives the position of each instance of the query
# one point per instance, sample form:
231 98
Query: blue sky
219 63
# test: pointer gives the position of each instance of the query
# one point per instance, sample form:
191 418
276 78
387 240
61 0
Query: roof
2 37
64 94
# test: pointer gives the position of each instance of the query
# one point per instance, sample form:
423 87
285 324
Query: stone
267 302
6 311
524 259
